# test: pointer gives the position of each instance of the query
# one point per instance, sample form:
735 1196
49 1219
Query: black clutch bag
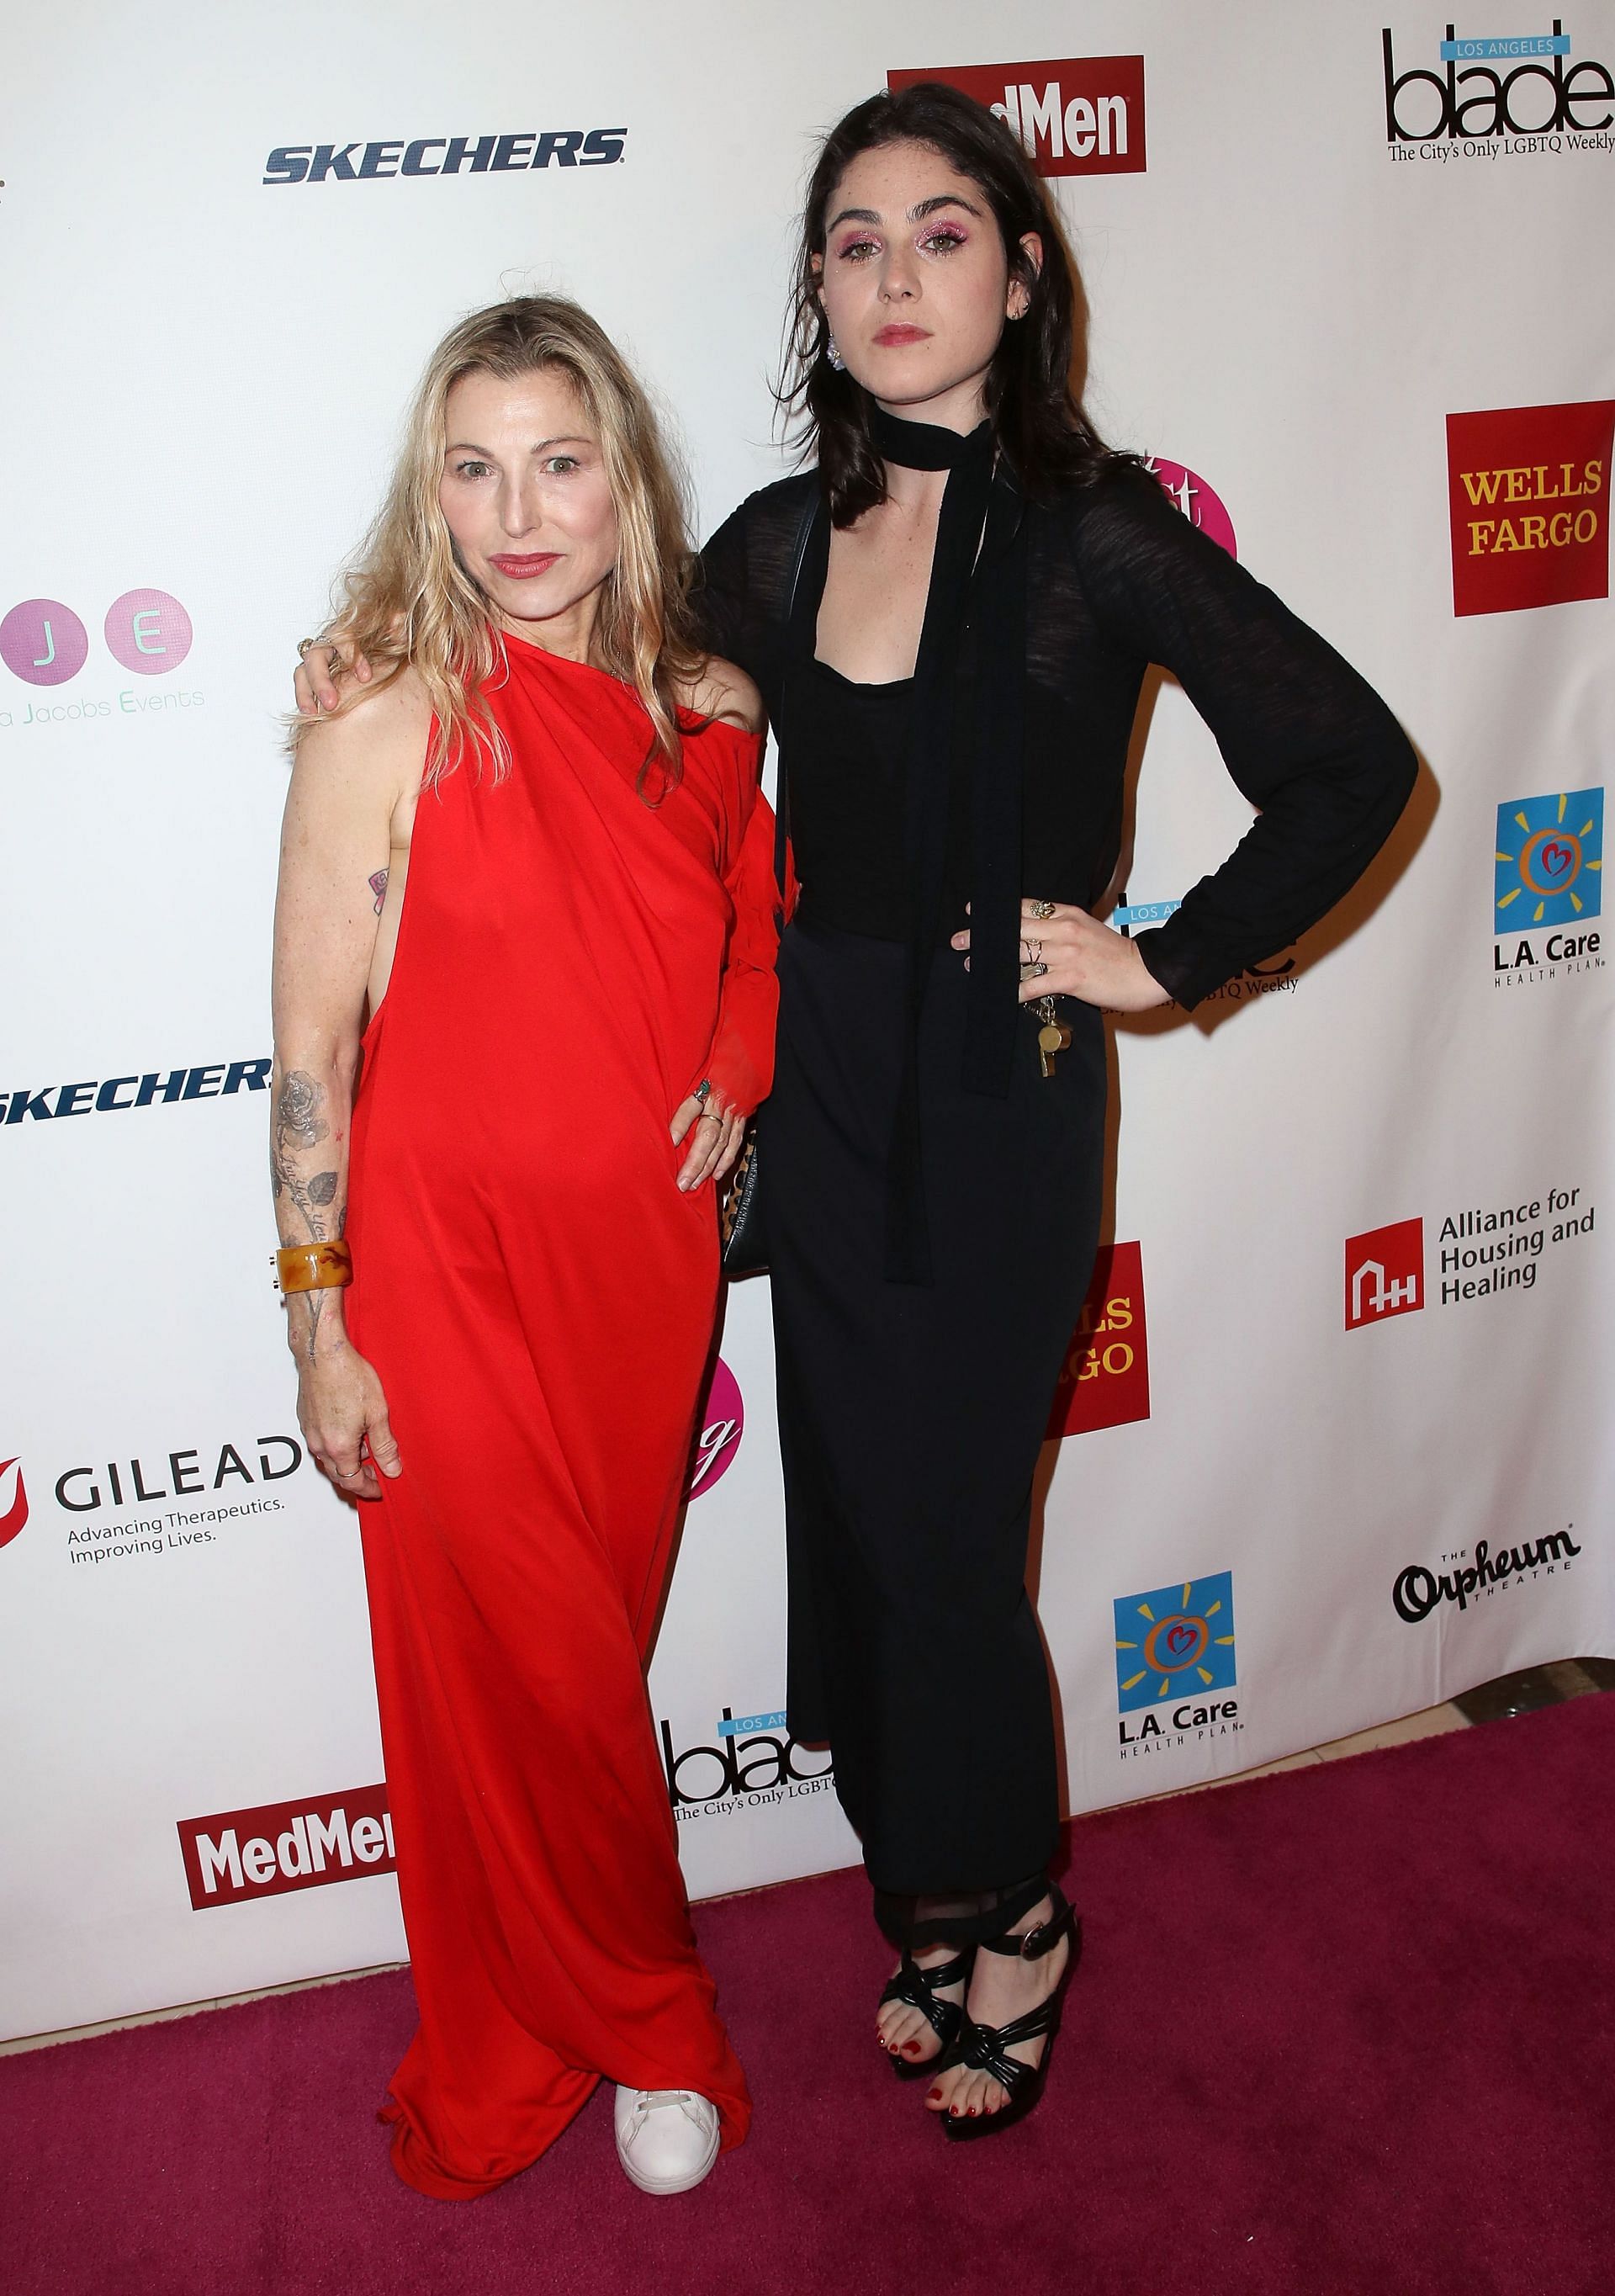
743 1244
740 1215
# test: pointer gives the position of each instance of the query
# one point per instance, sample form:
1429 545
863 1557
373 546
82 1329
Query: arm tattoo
378 886
299 1125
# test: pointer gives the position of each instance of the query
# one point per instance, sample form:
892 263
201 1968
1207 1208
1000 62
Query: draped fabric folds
537 1297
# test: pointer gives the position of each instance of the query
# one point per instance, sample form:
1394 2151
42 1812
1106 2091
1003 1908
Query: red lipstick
891 337
522 569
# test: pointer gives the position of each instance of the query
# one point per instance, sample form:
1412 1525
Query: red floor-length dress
538 1298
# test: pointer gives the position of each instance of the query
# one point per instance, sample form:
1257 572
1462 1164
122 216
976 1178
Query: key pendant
1053 1038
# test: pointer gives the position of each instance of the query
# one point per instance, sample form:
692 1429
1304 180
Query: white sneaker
666 2138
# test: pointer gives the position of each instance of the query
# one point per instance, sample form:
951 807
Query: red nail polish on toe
933 2096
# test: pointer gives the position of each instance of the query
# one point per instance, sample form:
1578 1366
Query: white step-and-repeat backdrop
1337 1439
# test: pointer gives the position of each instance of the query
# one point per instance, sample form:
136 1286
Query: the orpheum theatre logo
1528 488
286 1845
1080 116
1105 1381
1384 1273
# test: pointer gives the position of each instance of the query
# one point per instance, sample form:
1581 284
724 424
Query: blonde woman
524 1001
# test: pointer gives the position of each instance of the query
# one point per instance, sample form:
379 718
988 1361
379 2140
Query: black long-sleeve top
1118 578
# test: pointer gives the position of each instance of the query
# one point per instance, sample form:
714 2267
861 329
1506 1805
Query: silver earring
833 353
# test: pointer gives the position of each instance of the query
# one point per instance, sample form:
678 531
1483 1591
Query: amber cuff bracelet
312 1266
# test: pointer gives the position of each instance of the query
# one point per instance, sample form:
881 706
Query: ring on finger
1042 908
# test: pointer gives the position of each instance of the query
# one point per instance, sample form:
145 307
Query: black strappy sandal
917 1989
985 2048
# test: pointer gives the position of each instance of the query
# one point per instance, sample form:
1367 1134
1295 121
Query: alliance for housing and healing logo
1547 888
1174 1652
1485 1250
1519 95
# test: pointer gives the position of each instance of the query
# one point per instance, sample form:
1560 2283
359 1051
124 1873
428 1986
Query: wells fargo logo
1529 489
1081 116
1106 1379
286 1845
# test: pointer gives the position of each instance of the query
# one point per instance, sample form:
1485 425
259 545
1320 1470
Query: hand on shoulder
724 692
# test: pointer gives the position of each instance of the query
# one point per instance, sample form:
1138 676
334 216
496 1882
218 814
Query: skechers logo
445 155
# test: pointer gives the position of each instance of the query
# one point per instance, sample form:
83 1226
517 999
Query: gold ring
1043 909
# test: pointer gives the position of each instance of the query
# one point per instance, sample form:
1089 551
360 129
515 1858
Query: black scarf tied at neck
968 706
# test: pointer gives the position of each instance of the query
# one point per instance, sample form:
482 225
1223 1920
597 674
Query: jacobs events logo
1078 115
1527 491
43 643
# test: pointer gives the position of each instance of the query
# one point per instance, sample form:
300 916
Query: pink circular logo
723 1421
1198 501
43 642
148 632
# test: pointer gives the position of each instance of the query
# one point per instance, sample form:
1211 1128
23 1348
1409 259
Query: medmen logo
13 1514
1384 1273
723 1423
1175 1642
1083 115
1527 489
1106 1379
1549 859
286 1845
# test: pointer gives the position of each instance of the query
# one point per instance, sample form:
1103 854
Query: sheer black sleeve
1305 738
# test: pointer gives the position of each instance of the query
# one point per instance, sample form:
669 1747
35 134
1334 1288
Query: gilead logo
286 1845
1529 488
14 1510
1384 1273
1080 116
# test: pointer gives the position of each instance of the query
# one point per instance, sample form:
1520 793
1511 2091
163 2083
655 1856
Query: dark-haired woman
950 617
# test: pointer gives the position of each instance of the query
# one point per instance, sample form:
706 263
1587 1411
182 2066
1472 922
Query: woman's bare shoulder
725 692
379 735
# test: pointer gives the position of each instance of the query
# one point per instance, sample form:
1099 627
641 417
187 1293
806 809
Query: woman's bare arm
353 776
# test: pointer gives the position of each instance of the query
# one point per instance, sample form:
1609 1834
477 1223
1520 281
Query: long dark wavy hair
1033 387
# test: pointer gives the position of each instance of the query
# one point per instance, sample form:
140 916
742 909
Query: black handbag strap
782 802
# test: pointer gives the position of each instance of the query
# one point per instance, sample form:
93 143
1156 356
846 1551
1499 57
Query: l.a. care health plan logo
1175 1642
1550 854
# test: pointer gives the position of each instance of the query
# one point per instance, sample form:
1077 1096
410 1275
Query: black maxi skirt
911 1417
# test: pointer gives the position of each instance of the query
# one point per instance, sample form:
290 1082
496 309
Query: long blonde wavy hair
408 601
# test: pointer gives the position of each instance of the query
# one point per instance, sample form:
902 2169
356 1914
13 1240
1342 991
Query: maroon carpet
1345 2032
